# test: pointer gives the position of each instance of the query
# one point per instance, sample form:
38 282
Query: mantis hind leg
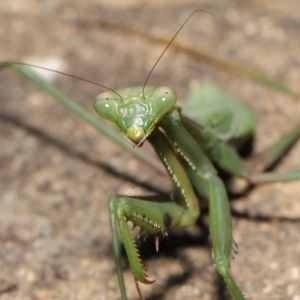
226 157
221 233
266 159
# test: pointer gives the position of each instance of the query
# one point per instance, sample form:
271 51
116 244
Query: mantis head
135 112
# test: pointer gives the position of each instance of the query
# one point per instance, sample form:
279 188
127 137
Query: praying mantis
165 220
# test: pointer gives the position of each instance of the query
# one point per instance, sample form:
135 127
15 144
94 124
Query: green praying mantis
190 141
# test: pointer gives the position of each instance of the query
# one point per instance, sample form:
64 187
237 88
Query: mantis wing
207 105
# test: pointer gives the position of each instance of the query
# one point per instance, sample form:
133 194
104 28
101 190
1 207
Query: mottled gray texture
55 241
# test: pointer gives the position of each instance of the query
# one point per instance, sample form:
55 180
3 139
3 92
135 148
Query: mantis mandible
187 150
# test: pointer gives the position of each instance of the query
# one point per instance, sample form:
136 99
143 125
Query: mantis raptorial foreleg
152 214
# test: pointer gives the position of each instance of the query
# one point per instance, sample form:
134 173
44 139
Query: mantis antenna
62 73
169 44
101 85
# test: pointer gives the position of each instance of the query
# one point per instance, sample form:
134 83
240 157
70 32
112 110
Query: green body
187 164
189 146
190 143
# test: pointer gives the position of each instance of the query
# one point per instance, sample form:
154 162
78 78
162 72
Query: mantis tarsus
150 214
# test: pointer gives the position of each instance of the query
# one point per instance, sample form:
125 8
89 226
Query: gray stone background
56 172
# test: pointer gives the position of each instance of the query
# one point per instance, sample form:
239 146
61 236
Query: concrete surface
56 173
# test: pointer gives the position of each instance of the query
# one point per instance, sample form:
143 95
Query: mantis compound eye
163 100
106 105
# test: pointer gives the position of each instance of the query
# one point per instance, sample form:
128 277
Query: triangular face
134 111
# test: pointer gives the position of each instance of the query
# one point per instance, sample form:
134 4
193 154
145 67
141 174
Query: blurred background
56 172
